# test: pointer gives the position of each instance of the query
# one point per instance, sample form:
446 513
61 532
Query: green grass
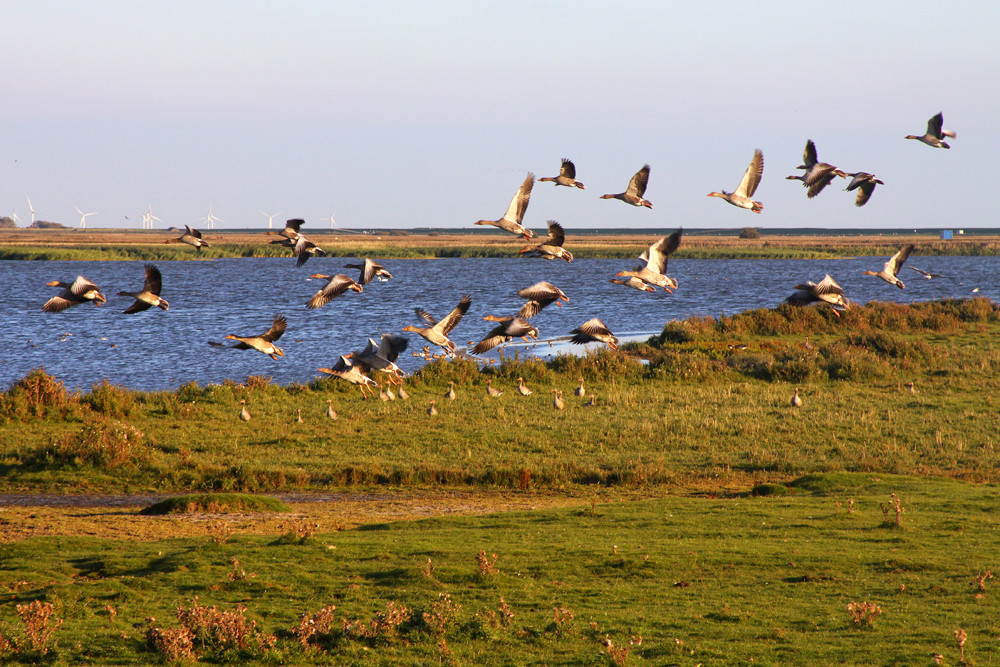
701 580
216 503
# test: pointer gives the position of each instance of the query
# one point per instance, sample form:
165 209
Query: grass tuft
216 503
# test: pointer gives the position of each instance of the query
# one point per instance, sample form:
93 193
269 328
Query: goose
304 249
591 403
796 401
523 388
926 274
827 291
594 330
298 416
290 232
935 135
891 268
507 329
567 176
432 410
656 257
492 391
634 283
330 412
149 295
369 271
580 391
80 290
381 356
265 342
244 413
636 189
551 247
336 286
450 394
539 295
748 185
557 399
865 184
511 220
191 237
817 174
437 332
345 370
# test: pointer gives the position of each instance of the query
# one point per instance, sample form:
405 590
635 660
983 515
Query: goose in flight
551 247
817 174
934 137
336 286
636 189
149 295
80 290
511 220
748 185
567 176
892 267
656 257
539 295
594 330
437 332
865 184
265 342
827 291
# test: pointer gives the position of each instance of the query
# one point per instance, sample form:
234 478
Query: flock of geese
378 358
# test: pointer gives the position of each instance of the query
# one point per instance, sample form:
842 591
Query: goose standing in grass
567 176
264 342
330 412
580 391
817 174
450 394
191 237
796 401
656 257
244 413
506 330
149 295
80 290
523 388
557 399
827 291
636 189
934 137
539 296
511 220
437 332
403 395
298 416
492 391
591 403
741 197
345 370
594 330
369 271
336 286
865 184
432 410
892 267
551 247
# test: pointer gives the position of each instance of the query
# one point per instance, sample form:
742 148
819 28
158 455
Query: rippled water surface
210 299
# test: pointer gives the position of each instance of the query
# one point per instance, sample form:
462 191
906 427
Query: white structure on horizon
83 217
148 217
31 208
270 218
210 219
333 223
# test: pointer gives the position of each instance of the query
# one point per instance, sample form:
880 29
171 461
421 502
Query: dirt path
24 516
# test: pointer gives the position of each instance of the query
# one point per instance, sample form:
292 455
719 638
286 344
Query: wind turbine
31 208
16 218
270 218
148 217
83 217
210 219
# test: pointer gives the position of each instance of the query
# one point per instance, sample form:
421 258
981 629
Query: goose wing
934 125
637 186
657 254
542 291
451 320
391 346
277 328
567 169
154 280
425 316
193 232
556 234
896 261
826 288
519 204
751 177
809 155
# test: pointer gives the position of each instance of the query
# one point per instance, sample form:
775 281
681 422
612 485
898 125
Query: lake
209 299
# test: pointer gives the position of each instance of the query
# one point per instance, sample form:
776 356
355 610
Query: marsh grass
215 503
711 580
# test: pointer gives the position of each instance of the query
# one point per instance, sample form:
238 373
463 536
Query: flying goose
817 174
539 295
567 176
511 220
551 247
265 342
891 268
636 189
149 295
935 135
336 286
369 271
865 184
345 370
507 329
437 332
191 237
827 291
656 257
594 330
744 191
80 290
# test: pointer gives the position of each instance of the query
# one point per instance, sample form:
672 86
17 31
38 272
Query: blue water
210 299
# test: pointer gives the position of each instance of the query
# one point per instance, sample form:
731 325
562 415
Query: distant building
945 234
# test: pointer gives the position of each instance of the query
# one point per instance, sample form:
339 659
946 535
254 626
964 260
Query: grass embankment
718 577
152 246
684 581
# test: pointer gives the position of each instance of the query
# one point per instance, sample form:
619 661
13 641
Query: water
210 299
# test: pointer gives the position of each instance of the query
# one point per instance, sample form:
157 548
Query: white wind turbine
31 208
83 217
210 219
270 218
148 217
333 223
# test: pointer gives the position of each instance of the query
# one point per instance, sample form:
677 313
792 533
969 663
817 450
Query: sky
401 114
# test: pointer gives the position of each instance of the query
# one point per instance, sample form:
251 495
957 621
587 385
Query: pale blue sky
402 114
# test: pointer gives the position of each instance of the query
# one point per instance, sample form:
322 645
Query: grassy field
153 245
692 516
